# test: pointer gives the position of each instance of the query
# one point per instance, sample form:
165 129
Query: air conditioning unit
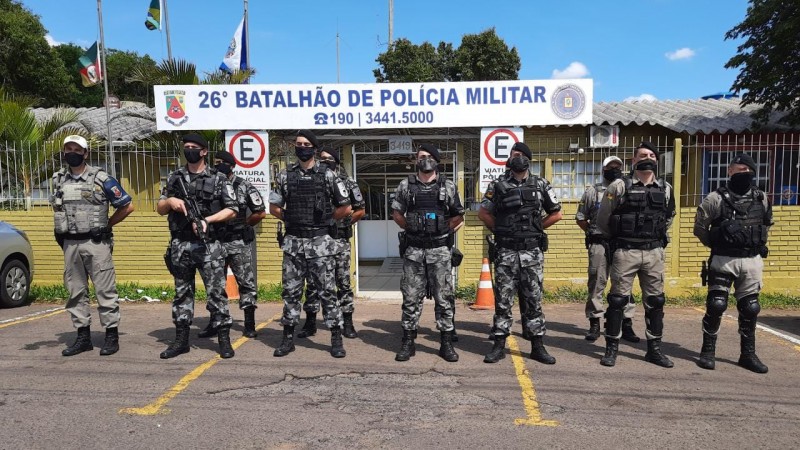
604 136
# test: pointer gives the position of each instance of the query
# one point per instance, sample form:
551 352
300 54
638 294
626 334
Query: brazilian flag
153 21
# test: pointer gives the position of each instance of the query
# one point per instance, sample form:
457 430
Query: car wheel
15 282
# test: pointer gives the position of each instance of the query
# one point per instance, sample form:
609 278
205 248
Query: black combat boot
349 330
83 343
209 330
446 350
224 340
594 329
654 354
498 350
337 346
539 353
627 331
250 322
454 336
310 327
287 344
111 345
706 360
610 358
748 358
181 343
407 348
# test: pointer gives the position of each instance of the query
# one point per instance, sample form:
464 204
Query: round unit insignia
568 101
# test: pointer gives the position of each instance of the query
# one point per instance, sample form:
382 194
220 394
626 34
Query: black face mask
427 165
646 164
304 153
224 168
740 182
519 163
73 159
612 174
192 156
329 164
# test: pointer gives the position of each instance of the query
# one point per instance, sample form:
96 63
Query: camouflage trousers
422 267
342 275
318 272
189 257
518 273
239 259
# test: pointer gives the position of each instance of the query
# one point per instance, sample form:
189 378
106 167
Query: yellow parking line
528 392
157 406
30 318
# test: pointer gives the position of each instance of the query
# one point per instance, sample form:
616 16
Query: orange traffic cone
231 287
485 295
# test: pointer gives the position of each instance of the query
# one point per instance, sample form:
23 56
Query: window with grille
570 178
717 162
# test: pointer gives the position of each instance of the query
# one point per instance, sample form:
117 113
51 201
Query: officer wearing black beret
734 221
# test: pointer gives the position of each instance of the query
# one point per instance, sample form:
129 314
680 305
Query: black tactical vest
427 212
307 206
202 188
642 213
518 214
742 226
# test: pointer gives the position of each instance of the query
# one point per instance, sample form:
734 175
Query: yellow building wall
139 245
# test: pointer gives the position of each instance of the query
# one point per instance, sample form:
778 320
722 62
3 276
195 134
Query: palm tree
39 143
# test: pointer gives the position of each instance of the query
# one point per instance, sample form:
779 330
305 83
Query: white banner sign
250 149
379 105
496 146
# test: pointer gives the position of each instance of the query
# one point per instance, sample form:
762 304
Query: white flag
236 56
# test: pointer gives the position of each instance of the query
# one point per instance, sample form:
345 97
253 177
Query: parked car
16 271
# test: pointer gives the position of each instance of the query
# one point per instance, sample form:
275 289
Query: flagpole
247 33
166 29
104 71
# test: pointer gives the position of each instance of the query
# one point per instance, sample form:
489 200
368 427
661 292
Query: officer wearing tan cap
81 195
600 253
734 222
636 213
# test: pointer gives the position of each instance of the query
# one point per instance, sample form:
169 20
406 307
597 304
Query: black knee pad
655 301
719 279
716 303
617 301
748 307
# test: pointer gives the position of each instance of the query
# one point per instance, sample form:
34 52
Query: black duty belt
735 252
426 242
530 243
631 245
596 239
230 237
184 235
307 233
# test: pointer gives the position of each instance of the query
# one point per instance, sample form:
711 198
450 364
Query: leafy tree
480 57
39 142
769 59
486 57
28 65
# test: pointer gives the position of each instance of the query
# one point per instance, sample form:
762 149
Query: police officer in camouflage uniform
81 195
236 236
343 231
513 208
734 222
636 213
427 207
188 252
309 198
600 253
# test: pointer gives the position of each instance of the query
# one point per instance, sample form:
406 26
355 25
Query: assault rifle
193 211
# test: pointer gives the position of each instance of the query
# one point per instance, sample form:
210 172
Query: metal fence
568 162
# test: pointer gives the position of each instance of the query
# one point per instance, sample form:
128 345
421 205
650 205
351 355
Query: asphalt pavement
367 400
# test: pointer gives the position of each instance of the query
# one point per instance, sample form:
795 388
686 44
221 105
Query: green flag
153 21
89 64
